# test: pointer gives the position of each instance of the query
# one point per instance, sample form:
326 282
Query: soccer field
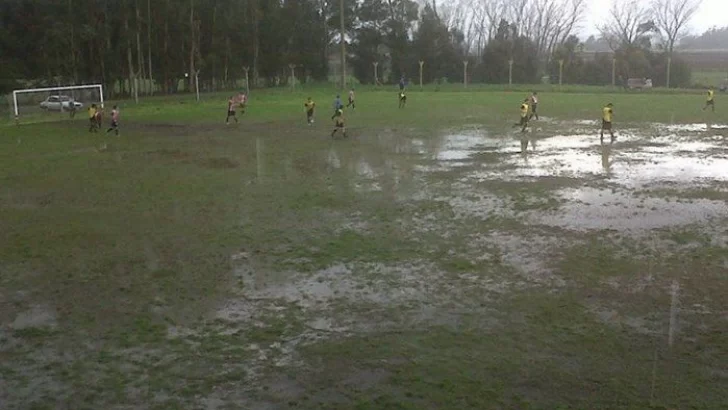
437 258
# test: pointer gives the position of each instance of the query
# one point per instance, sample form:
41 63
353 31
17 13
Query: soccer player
310 108
339 123
607 114
710 102
523 123
231 111
534 105
114 121
338 105
99 118
351 100
402 99
92 118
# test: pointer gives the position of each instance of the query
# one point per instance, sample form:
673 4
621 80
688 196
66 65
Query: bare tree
671 18
624 23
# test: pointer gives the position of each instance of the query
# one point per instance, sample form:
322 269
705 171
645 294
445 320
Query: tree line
166 42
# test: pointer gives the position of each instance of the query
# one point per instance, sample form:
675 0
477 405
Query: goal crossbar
64 88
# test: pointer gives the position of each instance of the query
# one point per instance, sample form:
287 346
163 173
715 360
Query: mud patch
219 163
591 208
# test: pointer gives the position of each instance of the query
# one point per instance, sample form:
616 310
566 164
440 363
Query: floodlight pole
510 72
422 63
561 72
465 73
669 63
614 71
376 78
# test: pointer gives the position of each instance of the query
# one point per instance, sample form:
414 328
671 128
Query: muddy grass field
434 259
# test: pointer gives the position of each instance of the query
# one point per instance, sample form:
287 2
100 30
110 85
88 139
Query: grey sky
711 13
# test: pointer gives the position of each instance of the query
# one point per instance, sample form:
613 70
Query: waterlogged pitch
436 258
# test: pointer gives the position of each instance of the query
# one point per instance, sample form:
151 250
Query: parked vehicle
639 83
60 103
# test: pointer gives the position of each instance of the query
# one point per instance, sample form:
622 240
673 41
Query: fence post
422 63
293 76
376 78
510 72
465 73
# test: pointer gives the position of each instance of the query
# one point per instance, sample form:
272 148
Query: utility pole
343 46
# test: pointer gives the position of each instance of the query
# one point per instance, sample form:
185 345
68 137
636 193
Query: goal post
96 90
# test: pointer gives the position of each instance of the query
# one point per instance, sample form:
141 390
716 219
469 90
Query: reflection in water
332 159
606 153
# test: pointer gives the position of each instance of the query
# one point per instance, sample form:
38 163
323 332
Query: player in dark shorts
231 111
710 102
114 121
310 107
523 123
534 105
402 99
339 123
607 115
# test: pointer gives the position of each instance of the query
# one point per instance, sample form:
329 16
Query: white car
60 102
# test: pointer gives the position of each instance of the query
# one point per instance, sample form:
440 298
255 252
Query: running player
339 123
534 105
114 121
523 123
607 114
99 118
310 108
338 105
402 99
92 118
710 102
231 111
351 104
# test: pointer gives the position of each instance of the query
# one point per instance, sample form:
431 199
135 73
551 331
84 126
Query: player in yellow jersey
339 123
402 99
523 123
92 123
310 107
607 115
710 102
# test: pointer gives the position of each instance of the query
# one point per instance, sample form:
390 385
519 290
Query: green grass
129 240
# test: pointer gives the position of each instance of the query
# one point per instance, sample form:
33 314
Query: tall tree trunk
165 47
213 35
130 61
256 41
72 39
227 61
149 47
140 56
192 45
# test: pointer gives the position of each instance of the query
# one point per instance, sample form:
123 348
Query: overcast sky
711 13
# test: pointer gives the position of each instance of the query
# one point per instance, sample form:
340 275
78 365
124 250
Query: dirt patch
219 163
169 153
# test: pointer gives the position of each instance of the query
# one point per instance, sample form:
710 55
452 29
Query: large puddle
616 178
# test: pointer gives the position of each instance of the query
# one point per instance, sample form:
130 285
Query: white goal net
39 104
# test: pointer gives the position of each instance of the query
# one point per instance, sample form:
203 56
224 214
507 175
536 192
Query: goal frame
50 89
